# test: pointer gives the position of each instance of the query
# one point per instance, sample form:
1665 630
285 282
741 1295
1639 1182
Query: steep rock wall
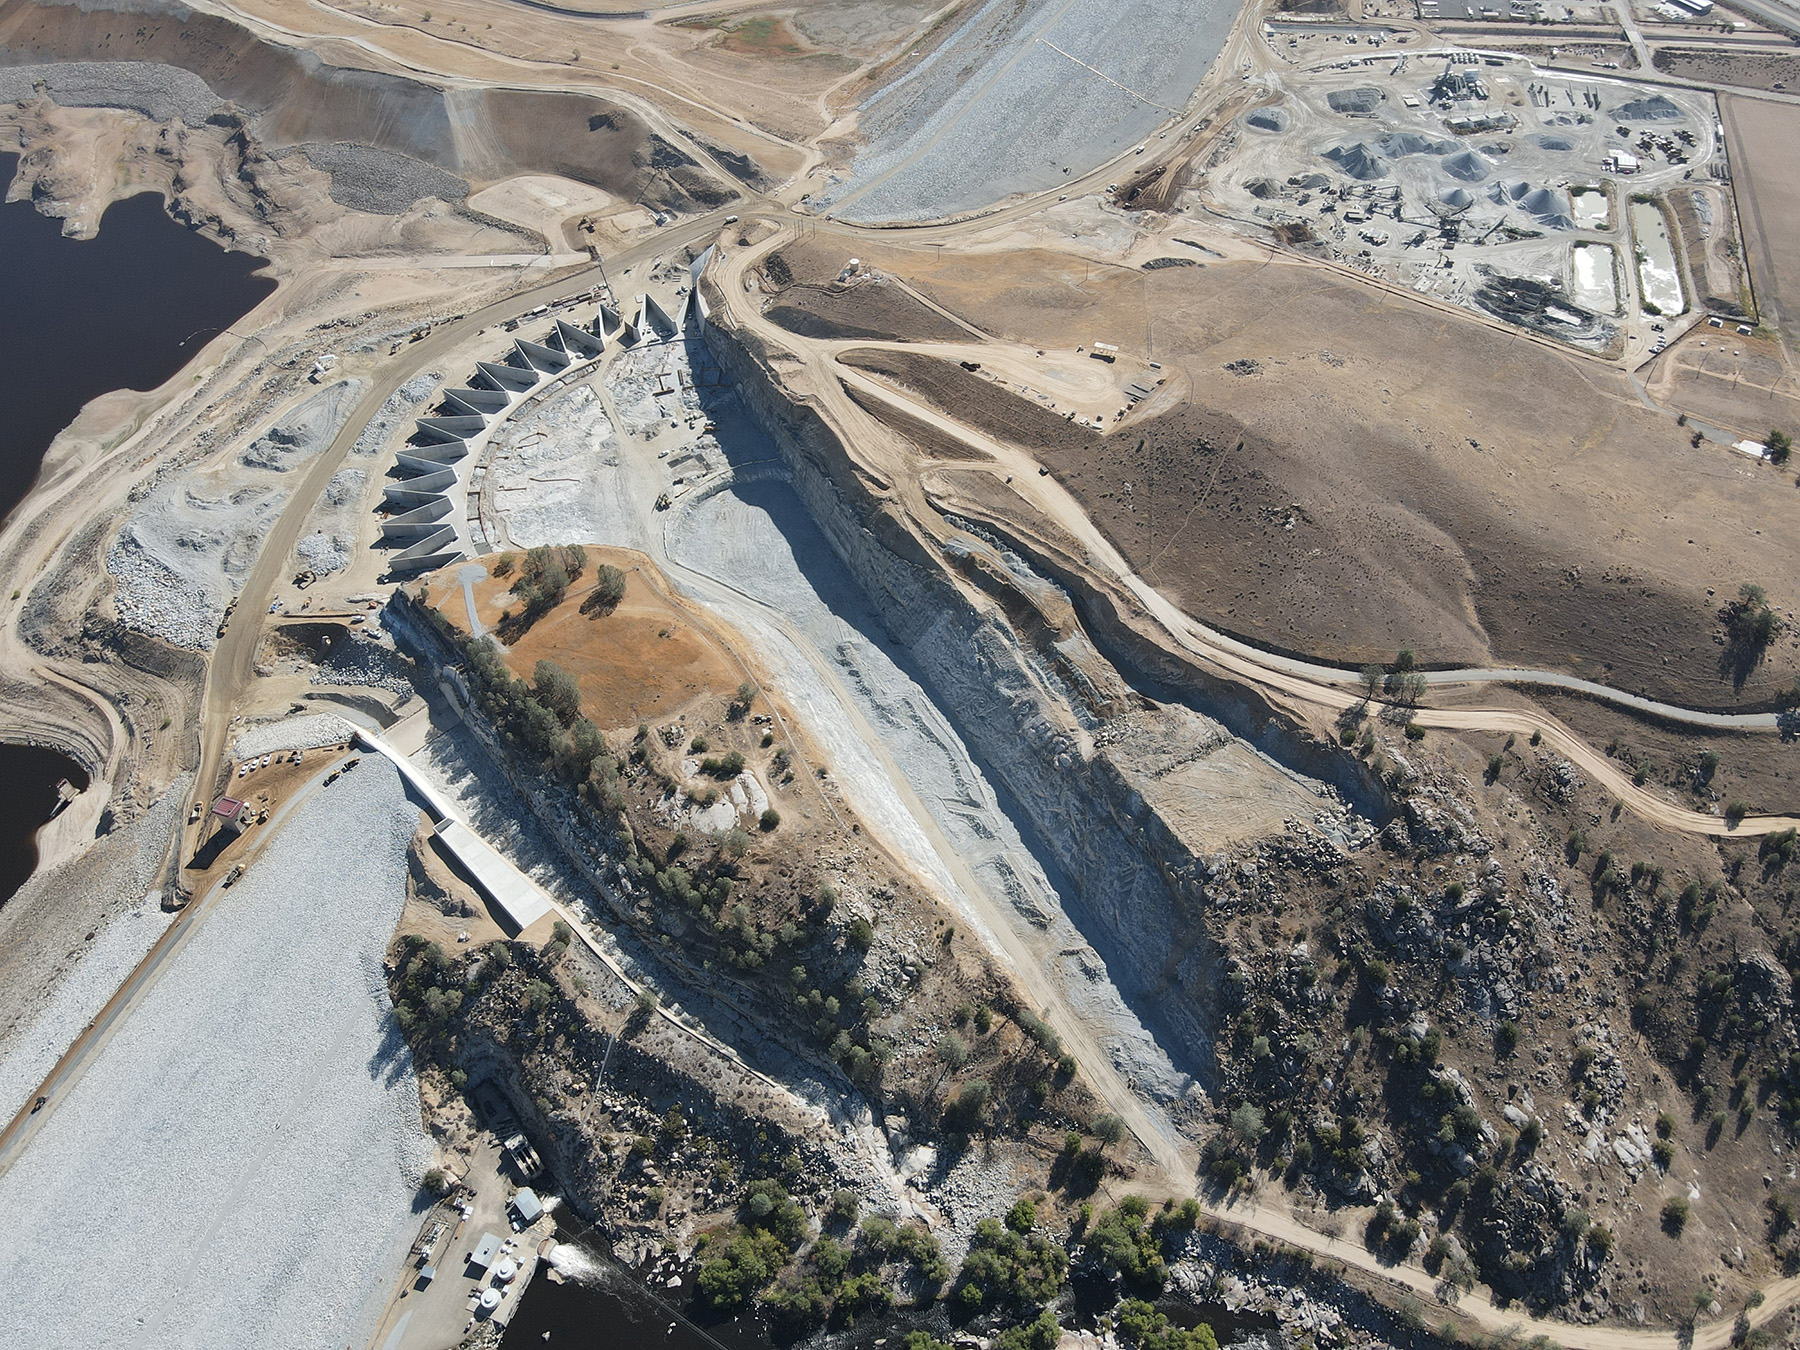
1128 883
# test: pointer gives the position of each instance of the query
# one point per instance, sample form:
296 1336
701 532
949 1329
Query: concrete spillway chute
414 491
505 377
458 428
430 458
653 321
578 342
694 314
615 328
486 402
541 358
418 522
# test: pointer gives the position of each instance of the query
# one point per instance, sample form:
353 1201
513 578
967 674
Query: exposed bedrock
1133 882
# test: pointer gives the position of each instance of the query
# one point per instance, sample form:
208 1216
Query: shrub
953 1050
966 1109
1121 1242
608 592
1414 732
1139 1324
769 819
860 934
435 1181
1109 1129
1675 1213
1004 1266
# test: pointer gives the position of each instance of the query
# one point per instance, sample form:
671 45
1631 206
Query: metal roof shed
485 1251
528 1207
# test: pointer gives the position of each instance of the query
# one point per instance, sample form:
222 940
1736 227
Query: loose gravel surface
292 733
544 472
182 556
996 110
364 662
54 977
161 93
365 178
400 407
239 1164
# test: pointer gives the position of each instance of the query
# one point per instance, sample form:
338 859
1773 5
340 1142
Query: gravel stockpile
180 559
1468 166
292 733
324 553
1357 160
996 111
53 979
1267 119
365 663
161 93
185 552
250 1180
384 182
1363 99
305 431
399 408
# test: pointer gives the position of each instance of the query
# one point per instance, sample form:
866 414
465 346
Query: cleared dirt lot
644 662
1764 139
1382 474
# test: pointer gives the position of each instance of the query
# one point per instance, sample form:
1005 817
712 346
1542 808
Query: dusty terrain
1761 136
1475 527
973 795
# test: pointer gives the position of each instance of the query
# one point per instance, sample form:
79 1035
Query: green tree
1779 446
609 590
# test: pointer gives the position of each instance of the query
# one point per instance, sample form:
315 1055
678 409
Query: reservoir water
28 778
124 310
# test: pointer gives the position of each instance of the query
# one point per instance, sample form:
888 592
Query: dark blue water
28 779
124 310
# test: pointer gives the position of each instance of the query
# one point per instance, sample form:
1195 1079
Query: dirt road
234 659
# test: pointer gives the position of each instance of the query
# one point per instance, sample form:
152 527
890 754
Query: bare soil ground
1764 139
647 661
482 134
1430 504
1756 769
881 312
1749 70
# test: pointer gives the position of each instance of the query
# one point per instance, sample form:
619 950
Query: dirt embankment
1353 473
291 99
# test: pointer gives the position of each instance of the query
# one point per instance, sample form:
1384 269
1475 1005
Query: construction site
1086 676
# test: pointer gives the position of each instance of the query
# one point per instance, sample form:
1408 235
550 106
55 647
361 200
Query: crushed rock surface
398 409
292 733
252 1179
55 978
194 537
161 93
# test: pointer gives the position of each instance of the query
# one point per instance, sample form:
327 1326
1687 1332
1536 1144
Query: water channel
124 310
1658 277
28 778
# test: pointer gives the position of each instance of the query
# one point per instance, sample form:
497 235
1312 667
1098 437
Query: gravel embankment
399 408
366 663
53 979
383 182
291 733
184 553
161 93
238 1165
997 110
